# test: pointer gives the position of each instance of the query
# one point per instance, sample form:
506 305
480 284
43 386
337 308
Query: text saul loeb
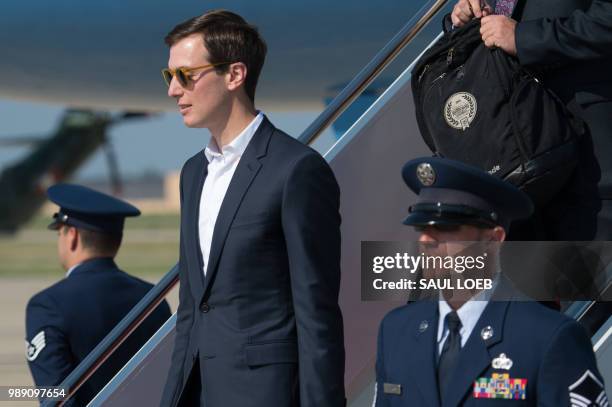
434 284
438 272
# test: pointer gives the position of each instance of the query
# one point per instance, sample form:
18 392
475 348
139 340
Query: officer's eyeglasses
184 75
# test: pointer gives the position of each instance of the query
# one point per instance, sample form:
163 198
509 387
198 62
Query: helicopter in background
54 159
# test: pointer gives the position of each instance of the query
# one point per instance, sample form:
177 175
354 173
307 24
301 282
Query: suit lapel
193 212
475 356
247 169
424 354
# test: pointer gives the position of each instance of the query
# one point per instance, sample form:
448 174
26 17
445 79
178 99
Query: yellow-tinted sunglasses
183 74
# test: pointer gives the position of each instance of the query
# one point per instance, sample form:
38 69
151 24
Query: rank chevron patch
588 390
34 347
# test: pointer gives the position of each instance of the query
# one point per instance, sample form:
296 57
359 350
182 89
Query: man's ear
236 75
498 234
73 237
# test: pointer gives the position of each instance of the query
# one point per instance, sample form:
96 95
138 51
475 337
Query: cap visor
429 218
55 225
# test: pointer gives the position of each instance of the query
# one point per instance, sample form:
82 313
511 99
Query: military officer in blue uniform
67 320
474 352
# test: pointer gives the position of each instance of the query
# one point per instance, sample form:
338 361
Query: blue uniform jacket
67 320
549 350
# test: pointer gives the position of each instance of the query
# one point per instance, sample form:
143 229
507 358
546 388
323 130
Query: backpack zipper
431 85
438 78
423 72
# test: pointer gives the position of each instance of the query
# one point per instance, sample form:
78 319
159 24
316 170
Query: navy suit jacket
570 43
264 326
66 321
548 349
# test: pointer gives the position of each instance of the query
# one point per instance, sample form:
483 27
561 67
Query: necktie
504 7
450 351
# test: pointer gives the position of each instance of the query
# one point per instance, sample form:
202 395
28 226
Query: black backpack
479 106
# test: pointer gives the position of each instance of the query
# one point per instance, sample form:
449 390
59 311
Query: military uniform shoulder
138 280
539 312
51 294
541 318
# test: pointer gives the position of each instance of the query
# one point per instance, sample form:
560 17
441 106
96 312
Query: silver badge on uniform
34 347
460 109
423 326
426 174
502 362
487 332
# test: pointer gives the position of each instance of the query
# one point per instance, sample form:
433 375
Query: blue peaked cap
453 193
86 208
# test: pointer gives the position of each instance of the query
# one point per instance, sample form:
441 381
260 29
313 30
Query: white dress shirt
221 167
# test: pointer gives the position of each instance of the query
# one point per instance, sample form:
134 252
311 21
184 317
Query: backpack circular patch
460 110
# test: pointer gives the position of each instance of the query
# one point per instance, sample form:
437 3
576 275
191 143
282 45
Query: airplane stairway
367 161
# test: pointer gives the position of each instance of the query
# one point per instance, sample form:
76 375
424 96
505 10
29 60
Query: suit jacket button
204 307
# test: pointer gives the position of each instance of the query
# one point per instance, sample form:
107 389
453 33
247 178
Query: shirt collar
468 313
71 269
238 145
93 264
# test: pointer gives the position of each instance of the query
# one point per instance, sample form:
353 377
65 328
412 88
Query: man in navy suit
67 320
470 350
258 322
568 45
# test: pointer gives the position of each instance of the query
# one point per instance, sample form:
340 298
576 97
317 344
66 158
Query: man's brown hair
227 38
103 244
